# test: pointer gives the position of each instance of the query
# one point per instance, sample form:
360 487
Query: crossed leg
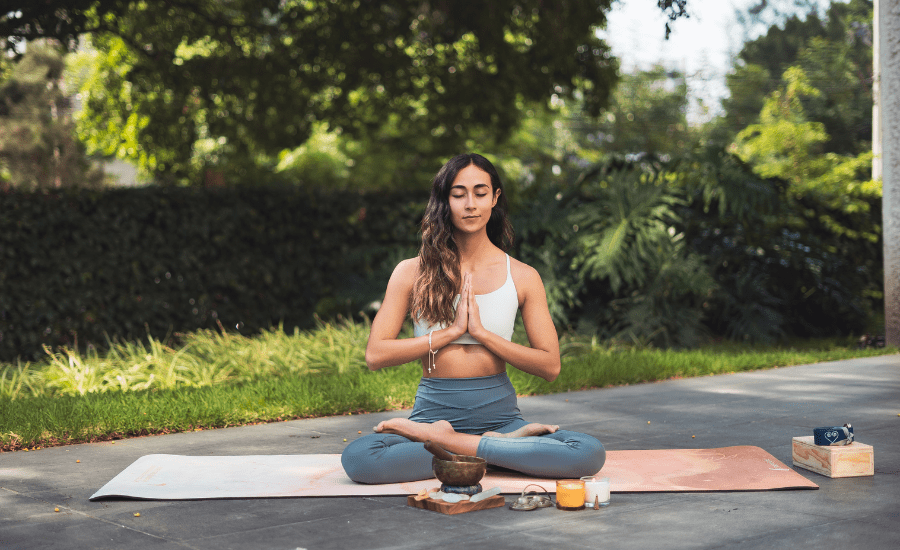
395 454
442 433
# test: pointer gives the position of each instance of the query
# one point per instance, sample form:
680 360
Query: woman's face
471 199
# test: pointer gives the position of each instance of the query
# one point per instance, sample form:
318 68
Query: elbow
555 370
374 360
371 359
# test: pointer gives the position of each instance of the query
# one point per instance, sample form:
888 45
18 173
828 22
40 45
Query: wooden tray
457 507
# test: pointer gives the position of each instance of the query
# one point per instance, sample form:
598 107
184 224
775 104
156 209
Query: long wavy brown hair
439 277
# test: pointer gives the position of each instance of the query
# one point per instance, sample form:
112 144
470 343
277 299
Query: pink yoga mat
176 477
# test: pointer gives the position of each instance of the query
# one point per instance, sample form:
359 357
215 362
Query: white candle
596 489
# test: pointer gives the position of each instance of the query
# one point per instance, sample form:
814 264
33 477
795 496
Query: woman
463 292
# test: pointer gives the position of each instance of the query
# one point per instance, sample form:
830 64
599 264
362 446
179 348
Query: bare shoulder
399 291
405 273
525 277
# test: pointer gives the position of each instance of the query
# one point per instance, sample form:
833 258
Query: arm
542 358
383 348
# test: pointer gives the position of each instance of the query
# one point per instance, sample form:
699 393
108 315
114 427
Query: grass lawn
215 380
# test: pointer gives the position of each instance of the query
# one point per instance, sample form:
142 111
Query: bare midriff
463 361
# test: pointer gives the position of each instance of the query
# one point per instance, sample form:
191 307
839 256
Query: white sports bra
497 310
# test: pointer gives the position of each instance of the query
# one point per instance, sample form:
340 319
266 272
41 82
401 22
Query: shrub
81 268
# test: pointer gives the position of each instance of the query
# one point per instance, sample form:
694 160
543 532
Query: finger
462 305
474 314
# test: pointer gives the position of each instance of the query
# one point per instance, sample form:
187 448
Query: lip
470 217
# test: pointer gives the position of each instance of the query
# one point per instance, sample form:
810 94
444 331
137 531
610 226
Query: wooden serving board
457 507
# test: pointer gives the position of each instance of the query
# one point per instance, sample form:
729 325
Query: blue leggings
474 406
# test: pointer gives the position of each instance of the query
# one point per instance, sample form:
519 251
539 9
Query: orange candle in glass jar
570 494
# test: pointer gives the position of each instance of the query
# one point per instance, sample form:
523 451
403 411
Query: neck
472 246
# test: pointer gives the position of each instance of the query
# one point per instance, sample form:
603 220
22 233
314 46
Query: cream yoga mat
175 477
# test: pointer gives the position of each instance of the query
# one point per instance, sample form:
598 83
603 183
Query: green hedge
122 263
125 263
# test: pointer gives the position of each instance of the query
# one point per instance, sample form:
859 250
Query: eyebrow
464 187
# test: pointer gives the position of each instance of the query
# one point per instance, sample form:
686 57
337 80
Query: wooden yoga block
853 460
457 507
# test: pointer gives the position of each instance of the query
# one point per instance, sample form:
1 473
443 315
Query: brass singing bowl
461 472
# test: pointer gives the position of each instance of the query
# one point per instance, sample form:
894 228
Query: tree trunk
876 96
889 61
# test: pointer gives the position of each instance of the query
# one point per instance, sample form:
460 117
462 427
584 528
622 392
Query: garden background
287 149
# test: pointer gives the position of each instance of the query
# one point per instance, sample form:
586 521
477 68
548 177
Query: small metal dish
529 500
523 504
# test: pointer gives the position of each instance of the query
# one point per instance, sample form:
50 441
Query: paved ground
763 408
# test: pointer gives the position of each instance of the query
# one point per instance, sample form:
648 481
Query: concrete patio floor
763 408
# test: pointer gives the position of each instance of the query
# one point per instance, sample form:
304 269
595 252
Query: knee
590 456
358 460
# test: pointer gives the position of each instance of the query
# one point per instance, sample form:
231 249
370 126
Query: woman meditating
463 292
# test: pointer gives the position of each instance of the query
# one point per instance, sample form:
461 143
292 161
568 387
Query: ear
496 196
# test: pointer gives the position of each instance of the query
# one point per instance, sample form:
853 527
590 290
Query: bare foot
416 431
527 431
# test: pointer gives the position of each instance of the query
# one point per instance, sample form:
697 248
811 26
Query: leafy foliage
211 83
785 144
79 268
800 115
202 358
836 55
646 115
673 9
556 143
38 148
781 144
667 254
779 239
655 253
780 269
612 260
627 239
42 416
828 228
625 216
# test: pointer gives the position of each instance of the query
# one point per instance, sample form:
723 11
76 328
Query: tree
646 115
889 104
38 148
554 143
836 55
825 229
247 78
67 20
210 82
